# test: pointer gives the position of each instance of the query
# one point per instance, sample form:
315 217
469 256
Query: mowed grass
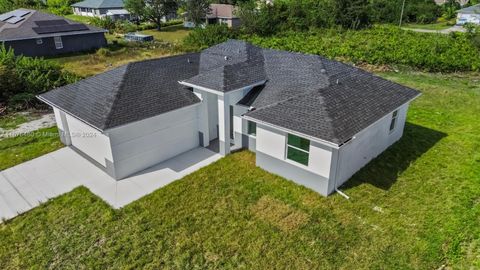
21 148
174 33
417 206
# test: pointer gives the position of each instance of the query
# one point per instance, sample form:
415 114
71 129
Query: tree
353 14
151 10
197 10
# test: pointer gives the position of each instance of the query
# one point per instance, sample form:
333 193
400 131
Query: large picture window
298 149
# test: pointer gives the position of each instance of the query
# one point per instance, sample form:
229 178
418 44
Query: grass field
28 146
417 206
174 34
88 64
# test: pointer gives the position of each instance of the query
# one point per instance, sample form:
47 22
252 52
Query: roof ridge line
119 89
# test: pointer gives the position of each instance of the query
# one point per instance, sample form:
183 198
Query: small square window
393 122
252 128
58 42
39 41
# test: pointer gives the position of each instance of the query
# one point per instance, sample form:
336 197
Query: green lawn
13 120
28 146
175 33
78 18
417 206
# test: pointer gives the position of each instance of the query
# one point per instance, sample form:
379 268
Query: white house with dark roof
309 119
469 15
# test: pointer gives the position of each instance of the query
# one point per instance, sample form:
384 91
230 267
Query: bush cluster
379 45
383 45
22 78
124 26
302 15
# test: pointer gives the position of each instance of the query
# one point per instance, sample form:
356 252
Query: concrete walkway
29 184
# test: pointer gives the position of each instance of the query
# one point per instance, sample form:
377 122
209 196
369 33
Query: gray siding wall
74 43
368 144
140 145
292 172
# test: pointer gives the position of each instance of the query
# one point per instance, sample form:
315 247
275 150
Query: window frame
287 146
58 42
393 122
249 132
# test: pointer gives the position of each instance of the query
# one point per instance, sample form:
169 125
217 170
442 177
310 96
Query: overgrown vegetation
125 26
414 207
22 78
380 45
302 15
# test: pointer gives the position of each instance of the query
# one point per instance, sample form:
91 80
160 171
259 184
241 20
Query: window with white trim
58 42
298 149
393 123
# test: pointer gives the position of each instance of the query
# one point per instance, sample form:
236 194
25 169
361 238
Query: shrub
383 46
105 23
26 77
201 38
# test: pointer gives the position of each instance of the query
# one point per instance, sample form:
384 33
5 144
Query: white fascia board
220 93
326 143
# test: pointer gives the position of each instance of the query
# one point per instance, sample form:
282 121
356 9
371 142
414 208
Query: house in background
114 9
219 14
309 119
469 15
34 33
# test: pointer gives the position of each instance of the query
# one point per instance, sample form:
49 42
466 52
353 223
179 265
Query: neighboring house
309 119
34 33
114 9
469 15
461 2
219 14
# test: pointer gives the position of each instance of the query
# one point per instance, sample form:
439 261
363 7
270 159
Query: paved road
444 31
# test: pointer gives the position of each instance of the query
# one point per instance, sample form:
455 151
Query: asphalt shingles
309 94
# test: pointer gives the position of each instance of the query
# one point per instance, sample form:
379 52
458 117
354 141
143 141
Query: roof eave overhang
56 35
221 93
300 134
69 113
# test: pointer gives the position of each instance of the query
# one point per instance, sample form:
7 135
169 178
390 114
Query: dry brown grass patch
279 214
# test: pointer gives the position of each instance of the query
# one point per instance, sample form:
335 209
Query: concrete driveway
29 184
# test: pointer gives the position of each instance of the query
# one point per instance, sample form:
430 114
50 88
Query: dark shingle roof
301 92
100 4
25 28
337 112
128 93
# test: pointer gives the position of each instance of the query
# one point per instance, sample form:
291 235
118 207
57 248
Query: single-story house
219 14
469 15
34 33
114 9
309 119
